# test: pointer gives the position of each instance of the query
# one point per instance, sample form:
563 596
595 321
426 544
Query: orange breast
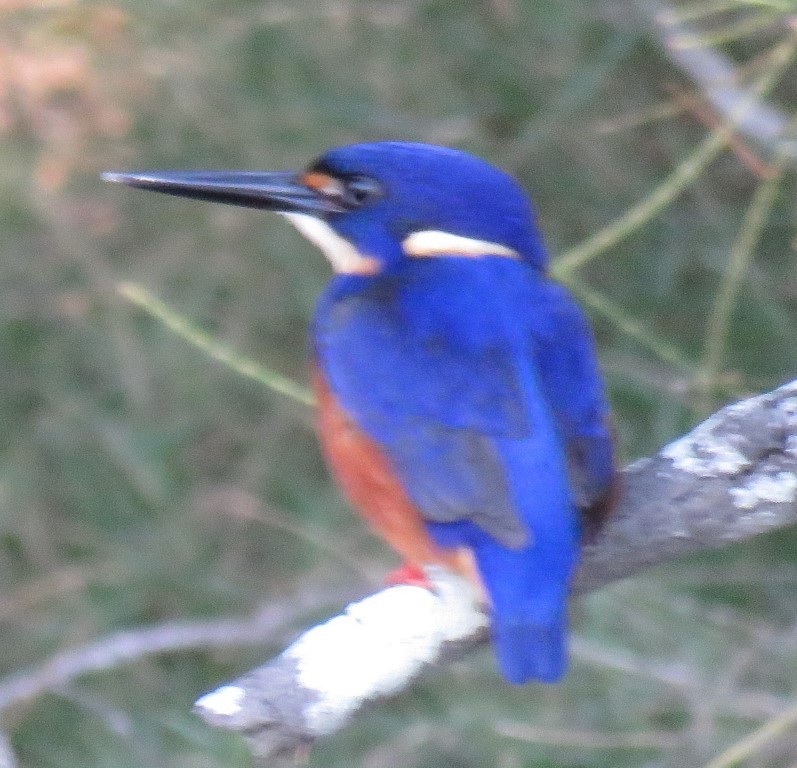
367 478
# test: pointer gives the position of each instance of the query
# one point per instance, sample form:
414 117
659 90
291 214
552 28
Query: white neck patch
341 254
434 242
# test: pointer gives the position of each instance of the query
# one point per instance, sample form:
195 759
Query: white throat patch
434 242
341 254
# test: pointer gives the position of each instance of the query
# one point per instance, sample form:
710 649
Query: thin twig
144 299
757 739
716 75
699 10
561 737
707 115
131 645
781 57
755 22
630 326
750 233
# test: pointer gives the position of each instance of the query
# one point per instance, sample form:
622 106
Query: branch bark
731 478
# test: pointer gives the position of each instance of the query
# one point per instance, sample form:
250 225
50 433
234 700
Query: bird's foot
410 575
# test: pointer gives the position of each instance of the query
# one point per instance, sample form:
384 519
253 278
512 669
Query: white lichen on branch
370 651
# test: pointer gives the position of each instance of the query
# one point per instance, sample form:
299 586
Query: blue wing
563 351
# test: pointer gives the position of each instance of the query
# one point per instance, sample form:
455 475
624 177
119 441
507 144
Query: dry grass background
143 485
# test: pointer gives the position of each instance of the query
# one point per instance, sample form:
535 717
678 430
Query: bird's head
370 207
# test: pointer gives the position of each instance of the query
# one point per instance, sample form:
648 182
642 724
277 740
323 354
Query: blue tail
527 651
529 591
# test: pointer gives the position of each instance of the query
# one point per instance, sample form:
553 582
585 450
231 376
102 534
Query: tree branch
731 478
716 77
7 757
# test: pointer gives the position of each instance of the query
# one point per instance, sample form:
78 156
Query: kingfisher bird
461 404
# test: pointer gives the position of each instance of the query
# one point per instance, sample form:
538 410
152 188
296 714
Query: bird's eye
361 190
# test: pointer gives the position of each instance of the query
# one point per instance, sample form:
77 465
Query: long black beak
280 191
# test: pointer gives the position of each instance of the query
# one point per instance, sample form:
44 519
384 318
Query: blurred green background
142 483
